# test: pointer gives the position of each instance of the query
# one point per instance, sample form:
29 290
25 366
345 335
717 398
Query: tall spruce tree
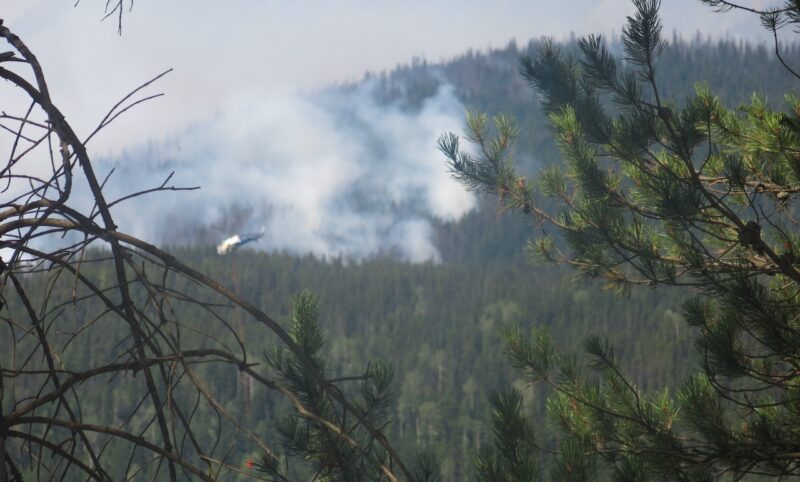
656 192
322 441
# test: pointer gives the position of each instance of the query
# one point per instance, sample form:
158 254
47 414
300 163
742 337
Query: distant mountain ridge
490 82
353 170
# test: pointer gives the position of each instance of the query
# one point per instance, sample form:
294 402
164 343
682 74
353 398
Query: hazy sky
254 47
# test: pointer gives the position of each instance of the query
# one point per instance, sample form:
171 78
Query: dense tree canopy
389 370
657 192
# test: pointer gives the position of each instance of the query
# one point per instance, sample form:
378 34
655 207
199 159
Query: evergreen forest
439 325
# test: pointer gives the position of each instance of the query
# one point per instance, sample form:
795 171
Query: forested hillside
438 324
490 82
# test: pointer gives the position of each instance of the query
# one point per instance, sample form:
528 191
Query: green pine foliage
313 434
513 456
490 82
660 192
424 344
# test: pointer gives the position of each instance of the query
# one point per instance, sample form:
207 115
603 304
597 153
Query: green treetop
655 191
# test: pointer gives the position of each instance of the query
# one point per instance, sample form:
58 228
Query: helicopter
232 243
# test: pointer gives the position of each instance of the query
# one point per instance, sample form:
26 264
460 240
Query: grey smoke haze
219 49
308 168
333 174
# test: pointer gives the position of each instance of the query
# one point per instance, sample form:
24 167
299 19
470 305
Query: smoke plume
335 174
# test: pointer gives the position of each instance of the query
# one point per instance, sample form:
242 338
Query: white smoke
336 173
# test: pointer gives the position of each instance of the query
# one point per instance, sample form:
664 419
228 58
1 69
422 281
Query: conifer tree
656 192
321 438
